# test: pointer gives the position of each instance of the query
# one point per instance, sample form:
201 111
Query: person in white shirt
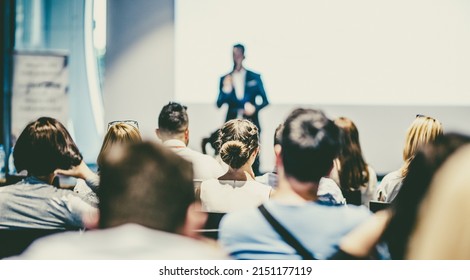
350 171
237 189
173 130
242 90
422 130
147 211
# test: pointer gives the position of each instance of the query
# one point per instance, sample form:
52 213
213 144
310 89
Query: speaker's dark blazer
254 94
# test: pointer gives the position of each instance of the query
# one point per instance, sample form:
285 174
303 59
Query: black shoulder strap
286 235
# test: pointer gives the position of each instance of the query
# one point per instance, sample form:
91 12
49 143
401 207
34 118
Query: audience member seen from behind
351 172
146 212
237 189
394 226
173 130
119 133
328 190
34 203
310 143
442 229
422 131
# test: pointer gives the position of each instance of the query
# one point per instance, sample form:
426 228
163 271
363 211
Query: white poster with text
40 87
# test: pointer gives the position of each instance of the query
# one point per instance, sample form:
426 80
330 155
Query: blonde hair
443 230
119 133
422 131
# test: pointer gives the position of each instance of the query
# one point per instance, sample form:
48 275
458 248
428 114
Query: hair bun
234 153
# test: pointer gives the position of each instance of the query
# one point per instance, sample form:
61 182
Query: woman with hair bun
238 145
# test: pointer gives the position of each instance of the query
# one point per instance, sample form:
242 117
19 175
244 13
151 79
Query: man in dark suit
242 90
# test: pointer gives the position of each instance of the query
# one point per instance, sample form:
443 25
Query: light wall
361 52
139 77
140 80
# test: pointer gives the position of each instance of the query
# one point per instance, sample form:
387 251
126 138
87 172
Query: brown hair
44 146
238 139
353 171
119 133
145 184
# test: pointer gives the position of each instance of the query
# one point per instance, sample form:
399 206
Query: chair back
375 206
14 242
211 228
353 197
197 189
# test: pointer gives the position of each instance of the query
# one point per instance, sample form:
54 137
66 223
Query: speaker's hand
249 109
227 85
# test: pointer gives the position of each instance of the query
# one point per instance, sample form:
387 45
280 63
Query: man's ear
186 136
278 154
277 149
255 153
91 219
157 131
195 220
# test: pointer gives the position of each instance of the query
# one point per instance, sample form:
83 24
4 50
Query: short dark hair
173 118
145 184
310 142
241 47
44 146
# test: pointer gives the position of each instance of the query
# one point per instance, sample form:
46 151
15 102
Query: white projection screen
401 52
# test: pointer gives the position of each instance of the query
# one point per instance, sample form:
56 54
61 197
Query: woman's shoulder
256 184
392 176
371 170
243 184
210 182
